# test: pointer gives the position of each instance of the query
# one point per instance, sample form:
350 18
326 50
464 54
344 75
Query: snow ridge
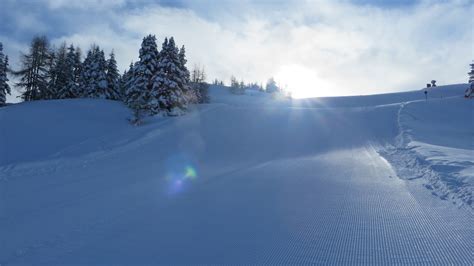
411 161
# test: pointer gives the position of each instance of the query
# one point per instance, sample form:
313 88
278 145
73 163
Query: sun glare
302 82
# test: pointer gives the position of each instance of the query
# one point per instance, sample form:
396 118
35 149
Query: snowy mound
248 179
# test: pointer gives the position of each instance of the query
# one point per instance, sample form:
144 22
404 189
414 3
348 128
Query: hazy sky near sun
331 47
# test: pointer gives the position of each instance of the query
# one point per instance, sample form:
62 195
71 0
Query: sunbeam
303 82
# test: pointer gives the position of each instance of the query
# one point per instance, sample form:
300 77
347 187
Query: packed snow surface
382 179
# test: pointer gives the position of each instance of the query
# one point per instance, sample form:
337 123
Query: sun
302 82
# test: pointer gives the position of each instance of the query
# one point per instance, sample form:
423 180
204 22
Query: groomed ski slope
244 179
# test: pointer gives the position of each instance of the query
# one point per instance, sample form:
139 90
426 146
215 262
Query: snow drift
436 143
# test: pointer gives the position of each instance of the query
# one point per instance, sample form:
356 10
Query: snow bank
436 143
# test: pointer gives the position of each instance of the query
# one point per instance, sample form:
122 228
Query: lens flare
190 173
181 173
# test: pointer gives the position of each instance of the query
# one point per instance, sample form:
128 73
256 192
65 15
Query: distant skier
426 95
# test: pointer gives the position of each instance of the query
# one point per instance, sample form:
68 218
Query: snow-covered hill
247 179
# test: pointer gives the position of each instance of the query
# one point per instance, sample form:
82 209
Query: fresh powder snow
380 179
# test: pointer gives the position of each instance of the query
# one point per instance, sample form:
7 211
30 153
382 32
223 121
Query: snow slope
245 179
40 130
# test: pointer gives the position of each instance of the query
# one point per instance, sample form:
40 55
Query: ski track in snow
276 184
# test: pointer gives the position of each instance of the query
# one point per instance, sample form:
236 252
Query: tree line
239 87
159 82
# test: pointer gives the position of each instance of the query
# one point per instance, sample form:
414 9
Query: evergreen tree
101 89
236 87
77 68
85 76
233 82
93 80
69 91
113 78
137 101
471 73
59 74
139 88
34 73
121 85
191 92
50 91
4 88
271 86
169 83
125 80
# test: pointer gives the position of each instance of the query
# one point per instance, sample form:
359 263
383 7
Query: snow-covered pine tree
77 71
34 73
113 78
233 82
140 85
191 92
69 91
49 93
85 76
59 74
101 88
121 85
125 82
93 81
168 83
271 86
137 102
4 88
471 73
235 86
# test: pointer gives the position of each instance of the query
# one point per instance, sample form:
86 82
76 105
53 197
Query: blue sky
332 47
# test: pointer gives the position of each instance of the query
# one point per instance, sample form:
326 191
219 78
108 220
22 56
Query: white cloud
85 4
350 49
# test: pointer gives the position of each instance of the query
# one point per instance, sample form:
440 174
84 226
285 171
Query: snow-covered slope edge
436 146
